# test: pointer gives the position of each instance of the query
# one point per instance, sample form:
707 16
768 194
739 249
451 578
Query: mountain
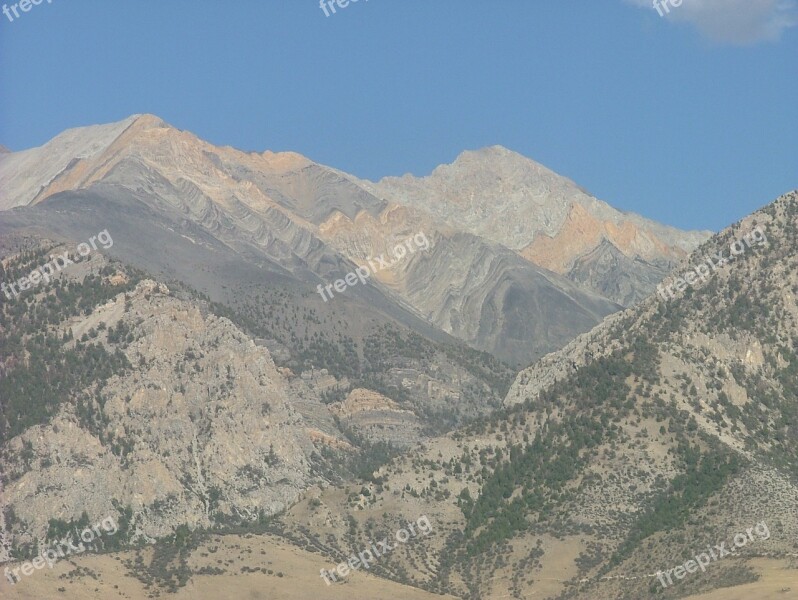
301 220
507 198
669 428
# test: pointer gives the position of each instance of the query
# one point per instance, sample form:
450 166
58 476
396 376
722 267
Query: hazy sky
690 119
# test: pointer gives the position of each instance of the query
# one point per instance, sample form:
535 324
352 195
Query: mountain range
566 431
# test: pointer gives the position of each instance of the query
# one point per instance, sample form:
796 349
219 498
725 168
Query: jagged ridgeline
516 259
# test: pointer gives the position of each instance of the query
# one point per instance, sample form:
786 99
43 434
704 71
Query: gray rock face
496 301
614 275
206 420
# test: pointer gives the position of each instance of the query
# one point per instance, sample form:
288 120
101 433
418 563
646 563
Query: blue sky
689 119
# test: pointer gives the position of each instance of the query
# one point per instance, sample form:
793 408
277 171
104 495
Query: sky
689 118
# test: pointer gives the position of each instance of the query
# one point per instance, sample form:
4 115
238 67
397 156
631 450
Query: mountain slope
670 427
475 290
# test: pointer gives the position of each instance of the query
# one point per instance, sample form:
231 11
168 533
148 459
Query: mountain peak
490 154
147 119
24 174
144 121
495 150
507 166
